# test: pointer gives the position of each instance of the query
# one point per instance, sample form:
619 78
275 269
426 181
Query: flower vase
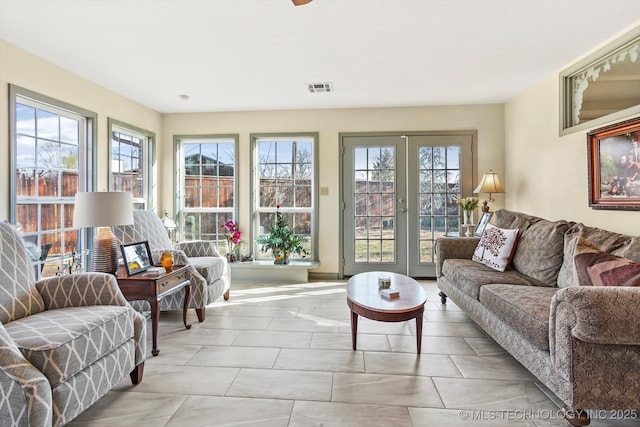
468 217
231 253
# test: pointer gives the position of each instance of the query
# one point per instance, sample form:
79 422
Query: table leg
354 328
419 331
155 319
187 293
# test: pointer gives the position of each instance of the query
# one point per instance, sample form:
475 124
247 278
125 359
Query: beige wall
546 174
20 68
486 119
25 70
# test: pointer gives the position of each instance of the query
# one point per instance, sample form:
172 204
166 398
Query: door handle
402 210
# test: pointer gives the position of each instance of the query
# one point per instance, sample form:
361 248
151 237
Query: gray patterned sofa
582 342
64 341
209 272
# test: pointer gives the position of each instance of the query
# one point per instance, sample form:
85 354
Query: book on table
155 271
389 293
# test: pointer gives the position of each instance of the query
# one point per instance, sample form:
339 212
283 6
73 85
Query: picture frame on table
137 257
614 166
482 223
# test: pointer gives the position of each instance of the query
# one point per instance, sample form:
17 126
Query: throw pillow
496 247
596 268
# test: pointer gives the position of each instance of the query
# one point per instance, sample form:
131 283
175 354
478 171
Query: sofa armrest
26 389
598 314
198 248
80 289
454 247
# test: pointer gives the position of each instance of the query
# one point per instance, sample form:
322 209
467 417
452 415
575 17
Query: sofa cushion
540 244
211 268
525 309
596 268
607 241
496 247
469 276
62 342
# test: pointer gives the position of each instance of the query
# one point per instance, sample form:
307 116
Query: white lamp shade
103 209
489 184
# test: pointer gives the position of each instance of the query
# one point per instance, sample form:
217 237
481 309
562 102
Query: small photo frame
482 223
137 257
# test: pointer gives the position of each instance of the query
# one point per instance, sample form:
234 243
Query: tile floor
280 355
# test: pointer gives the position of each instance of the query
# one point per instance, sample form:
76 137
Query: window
207 191
603 87
285 175
131 162
50 152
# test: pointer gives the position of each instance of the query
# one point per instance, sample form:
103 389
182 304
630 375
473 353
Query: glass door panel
374 221
437 167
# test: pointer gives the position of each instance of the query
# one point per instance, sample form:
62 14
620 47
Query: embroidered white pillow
496 247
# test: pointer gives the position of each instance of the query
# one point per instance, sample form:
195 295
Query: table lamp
169 224
102 210
489 184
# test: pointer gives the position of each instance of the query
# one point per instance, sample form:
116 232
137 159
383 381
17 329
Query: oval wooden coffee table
364 299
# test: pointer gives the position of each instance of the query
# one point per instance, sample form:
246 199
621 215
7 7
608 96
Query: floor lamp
103 210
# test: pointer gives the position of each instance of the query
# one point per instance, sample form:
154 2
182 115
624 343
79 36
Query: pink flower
232 235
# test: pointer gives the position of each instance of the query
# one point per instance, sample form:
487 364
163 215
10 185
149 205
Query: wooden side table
152 288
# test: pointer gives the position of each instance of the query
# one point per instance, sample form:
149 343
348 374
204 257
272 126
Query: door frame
473 133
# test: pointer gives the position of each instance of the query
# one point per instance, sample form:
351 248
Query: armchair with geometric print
64 341
208 272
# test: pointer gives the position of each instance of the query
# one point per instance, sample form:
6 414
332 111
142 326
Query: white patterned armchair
209 272
64 341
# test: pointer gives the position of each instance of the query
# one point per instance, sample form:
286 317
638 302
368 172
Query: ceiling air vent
319 87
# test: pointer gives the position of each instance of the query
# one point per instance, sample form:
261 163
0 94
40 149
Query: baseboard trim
323 276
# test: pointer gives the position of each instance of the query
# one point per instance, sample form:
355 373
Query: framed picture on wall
614 166
482 223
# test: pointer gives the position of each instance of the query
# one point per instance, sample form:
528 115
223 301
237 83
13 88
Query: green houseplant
282 240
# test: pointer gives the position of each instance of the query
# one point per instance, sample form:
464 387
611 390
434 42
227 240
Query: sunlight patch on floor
268 292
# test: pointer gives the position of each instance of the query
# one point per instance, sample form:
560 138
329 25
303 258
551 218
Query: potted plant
232 235
282 240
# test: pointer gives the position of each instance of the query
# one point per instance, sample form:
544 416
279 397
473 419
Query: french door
399 196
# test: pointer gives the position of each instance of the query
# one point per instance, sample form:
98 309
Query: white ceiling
232 55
